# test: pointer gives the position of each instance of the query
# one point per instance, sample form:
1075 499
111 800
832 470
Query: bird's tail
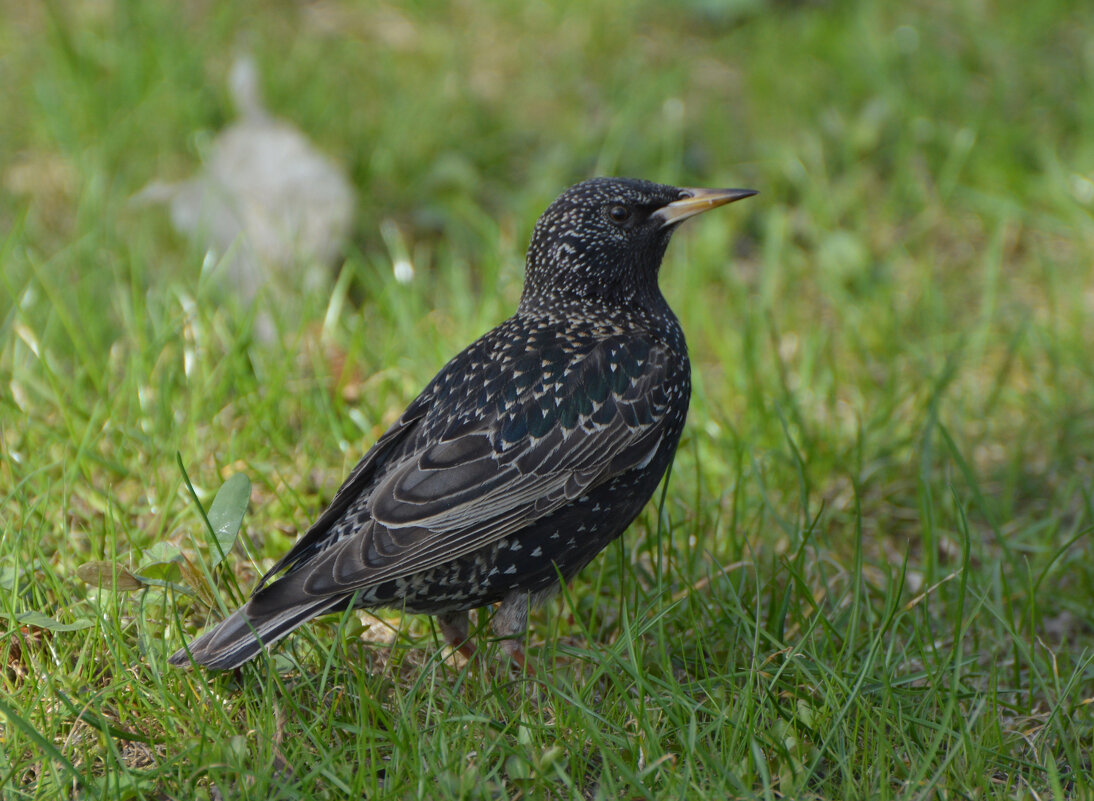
256 625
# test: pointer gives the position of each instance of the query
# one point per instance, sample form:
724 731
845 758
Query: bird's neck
649 315
623 293
563 301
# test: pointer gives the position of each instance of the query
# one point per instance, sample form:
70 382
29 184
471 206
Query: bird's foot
456 632
515 651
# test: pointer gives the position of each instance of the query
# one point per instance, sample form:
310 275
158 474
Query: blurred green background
871 573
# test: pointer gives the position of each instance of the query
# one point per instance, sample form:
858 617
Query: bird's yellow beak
696 201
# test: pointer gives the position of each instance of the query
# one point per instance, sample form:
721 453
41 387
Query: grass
870 574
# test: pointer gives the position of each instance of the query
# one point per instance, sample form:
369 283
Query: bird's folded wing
475 486
359 478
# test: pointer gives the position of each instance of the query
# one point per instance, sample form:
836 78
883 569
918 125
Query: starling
523 458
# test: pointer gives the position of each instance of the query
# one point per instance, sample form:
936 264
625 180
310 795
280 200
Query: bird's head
605 238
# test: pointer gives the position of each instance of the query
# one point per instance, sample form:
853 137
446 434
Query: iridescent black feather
524 457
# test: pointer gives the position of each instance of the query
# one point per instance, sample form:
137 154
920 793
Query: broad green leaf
11 578
43 621
155 573
161 561
158 554
226 514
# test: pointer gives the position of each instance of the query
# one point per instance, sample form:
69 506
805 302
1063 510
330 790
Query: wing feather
475 485
355 483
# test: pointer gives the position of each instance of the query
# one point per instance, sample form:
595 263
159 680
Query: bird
524 457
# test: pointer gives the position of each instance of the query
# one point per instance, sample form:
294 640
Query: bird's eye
619 214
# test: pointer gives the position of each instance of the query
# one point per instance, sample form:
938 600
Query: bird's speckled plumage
524 457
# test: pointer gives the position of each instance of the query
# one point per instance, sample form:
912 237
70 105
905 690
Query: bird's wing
357 481
487 480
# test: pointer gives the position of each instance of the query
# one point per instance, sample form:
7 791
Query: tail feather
243 634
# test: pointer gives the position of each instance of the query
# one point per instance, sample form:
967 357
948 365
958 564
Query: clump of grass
869 574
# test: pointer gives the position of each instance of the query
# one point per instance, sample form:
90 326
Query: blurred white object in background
274 211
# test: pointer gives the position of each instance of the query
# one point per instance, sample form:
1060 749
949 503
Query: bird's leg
456 631
513 648
510 624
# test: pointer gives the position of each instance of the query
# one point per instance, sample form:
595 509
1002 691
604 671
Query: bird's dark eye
619 214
